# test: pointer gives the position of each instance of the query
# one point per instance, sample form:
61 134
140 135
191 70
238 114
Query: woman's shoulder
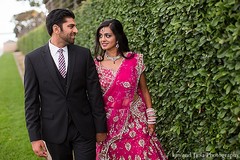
97 60
133 54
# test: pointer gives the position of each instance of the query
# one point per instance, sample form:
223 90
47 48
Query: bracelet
151 115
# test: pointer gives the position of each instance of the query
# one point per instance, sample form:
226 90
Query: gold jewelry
112 58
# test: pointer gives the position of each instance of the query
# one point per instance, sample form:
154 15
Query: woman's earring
117 45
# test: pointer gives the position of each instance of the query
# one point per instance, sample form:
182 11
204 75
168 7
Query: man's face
69 31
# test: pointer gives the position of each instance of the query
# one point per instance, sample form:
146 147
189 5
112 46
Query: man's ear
56 29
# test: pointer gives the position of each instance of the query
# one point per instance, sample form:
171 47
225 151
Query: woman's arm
145 91
151 117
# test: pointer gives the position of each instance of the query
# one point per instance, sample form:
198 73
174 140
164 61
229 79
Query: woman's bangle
151 115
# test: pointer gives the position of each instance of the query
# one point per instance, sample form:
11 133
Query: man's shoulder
37 51
78 47
79 51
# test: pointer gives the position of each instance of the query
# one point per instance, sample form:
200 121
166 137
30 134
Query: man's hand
100 137
39 148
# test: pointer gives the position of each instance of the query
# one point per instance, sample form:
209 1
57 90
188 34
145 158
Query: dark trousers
83 149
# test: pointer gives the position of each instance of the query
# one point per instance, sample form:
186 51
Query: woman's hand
100 137
151 129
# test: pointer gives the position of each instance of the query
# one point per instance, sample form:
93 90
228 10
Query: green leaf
202 71
237 66
215 21
221 114
236 110
223 131
228 87
202 41
209 148
219 75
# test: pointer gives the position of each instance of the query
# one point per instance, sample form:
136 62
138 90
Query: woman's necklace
112 58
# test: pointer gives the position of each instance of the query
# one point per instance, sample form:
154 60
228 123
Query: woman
130 116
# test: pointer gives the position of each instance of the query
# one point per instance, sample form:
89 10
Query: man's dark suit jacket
47 105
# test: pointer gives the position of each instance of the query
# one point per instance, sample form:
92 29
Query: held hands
100 137
39 148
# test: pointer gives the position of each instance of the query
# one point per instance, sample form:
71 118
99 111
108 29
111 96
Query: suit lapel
71 63
51 66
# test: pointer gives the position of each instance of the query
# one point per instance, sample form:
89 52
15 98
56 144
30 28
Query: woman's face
107 39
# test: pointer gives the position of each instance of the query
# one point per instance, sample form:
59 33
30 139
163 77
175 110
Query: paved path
19 59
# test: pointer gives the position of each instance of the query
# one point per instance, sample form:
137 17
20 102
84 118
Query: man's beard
68 40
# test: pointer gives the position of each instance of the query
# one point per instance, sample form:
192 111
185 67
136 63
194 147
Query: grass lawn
14 141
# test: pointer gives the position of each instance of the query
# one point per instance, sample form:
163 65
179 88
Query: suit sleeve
32 103
95 96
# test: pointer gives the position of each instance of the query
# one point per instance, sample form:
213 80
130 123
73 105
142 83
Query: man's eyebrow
72 25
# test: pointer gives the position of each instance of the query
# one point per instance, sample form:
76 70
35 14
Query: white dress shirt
54 53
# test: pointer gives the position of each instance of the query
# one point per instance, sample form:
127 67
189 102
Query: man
63 99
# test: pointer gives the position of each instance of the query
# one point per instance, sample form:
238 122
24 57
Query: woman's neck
112 53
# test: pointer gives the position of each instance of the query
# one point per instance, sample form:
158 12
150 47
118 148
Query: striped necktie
61 63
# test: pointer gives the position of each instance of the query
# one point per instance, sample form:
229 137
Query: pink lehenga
127 137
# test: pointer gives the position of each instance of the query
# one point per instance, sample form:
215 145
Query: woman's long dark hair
117 30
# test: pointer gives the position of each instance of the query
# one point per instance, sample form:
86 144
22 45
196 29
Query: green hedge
33 39
192 54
